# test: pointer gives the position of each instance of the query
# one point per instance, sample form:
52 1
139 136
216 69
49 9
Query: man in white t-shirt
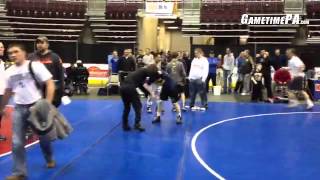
296 68
21 84
2 81
148 58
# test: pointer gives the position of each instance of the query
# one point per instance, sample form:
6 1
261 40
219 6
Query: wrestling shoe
179 119
156 120
293 103
310 104
51 164
139 127
126 128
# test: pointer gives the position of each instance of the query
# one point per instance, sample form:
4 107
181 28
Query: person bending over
142 78
169 90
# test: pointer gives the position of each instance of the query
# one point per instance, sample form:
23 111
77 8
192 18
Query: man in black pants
264 60
53 63
142 79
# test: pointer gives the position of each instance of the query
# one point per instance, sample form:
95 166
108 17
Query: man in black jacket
53 63
126 64
264 60
142 79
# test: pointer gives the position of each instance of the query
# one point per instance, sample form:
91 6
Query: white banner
159 8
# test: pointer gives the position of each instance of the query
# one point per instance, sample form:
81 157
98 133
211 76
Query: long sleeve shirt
199 69
228 62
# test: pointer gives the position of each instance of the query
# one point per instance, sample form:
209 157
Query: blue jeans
227 81
20 125
197 86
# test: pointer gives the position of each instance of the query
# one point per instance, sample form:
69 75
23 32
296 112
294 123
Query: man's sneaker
156 120
194 108
270 100
149 110
174 109
203 109
13 177
293 103
179 119
139 127
2 138
310 104
184 109
126 127
51 164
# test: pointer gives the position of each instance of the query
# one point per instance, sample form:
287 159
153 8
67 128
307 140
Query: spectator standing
279 60
213 63
2 80
198 75
126 65
228 65
53 63
264 60
257 83
113 63
139 59
246 70
148 58
219 81
239 63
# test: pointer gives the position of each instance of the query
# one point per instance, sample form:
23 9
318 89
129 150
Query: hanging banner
160 8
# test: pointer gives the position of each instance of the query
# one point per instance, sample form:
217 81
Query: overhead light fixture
175 27
168 22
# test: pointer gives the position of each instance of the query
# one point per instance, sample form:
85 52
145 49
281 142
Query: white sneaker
202 109
310 104
293 103
194 108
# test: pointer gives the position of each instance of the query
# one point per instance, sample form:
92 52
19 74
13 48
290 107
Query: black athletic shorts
180 88
173 95
296 84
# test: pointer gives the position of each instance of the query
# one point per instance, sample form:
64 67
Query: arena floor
230 141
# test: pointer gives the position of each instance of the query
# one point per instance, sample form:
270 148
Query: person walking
20 82
296 68
53 63
2 81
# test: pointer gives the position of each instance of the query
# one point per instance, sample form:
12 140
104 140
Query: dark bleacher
59 20
120 24
313 9
40 8
215 12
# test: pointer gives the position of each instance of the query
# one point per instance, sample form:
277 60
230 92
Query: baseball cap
42 39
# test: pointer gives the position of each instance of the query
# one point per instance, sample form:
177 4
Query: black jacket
127 64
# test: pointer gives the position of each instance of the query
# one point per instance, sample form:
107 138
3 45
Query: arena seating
313 14
213 11
59 20
120 23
